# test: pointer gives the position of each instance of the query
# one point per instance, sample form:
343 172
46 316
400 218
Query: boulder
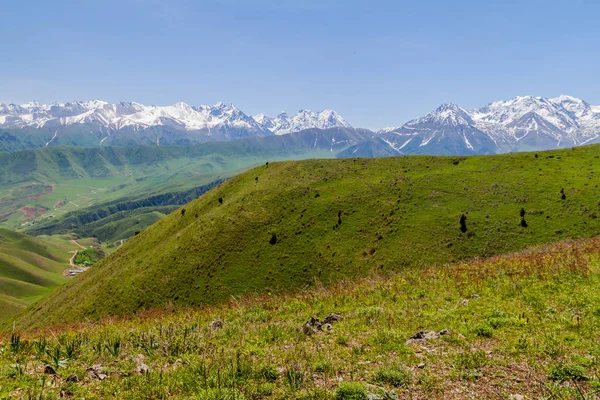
424 336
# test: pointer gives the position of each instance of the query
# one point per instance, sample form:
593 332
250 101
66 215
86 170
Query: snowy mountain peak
305 119
446 114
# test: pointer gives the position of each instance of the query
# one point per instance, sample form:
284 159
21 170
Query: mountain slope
29 268
283 226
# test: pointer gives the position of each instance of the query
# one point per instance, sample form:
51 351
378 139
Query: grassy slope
53 183
29 268
531 331
394 213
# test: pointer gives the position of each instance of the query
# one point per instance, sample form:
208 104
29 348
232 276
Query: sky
377 63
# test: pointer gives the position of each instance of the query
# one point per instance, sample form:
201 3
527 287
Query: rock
424 336
331 318
48 369
73 378
312 325
516 397
216 324
475 296
464 302
142 369
421 366
94 372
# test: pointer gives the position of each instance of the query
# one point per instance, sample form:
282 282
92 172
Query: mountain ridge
522 123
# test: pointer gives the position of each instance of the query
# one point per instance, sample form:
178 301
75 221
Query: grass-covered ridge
523 324
287 225
46 187
29 269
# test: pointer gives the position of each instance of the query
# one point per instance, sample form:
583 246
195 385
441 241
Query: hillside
524 324
59 183
289 225
29 268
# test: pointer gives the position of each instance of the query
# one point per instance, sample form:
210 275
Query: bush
351 391
396 377
568 372
342 340
463 223
485 331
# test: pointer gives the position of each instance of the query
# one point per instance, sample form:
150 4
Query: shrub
484 330
351 391
463 223
396 377
342 340
568 372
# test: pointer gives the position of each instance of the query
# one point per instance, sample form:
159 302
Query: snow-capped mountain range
523 123
181 116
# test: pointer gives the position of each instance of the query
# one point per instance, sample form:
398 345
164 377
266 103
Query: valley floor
525 324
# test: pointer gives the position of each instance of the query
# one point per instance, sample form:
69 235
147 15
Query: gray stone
73 378
424 336
331 318
142 369
215 325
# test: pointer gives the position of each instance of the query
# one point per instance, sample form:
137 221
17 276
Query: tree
463 223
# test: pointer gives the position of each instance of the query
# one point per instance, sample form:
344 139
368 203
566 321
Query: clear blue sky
378 63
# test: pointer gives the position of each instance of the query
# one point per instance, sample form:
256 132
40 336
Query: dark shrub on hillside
463 223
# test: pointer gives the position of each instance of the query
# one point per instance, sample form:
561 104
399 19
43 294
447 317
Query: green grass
292 225
29 269
542 305
62 182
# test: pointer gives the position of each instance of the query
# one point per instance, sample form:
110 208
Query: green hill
43 190
29 268
289 225
522 324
